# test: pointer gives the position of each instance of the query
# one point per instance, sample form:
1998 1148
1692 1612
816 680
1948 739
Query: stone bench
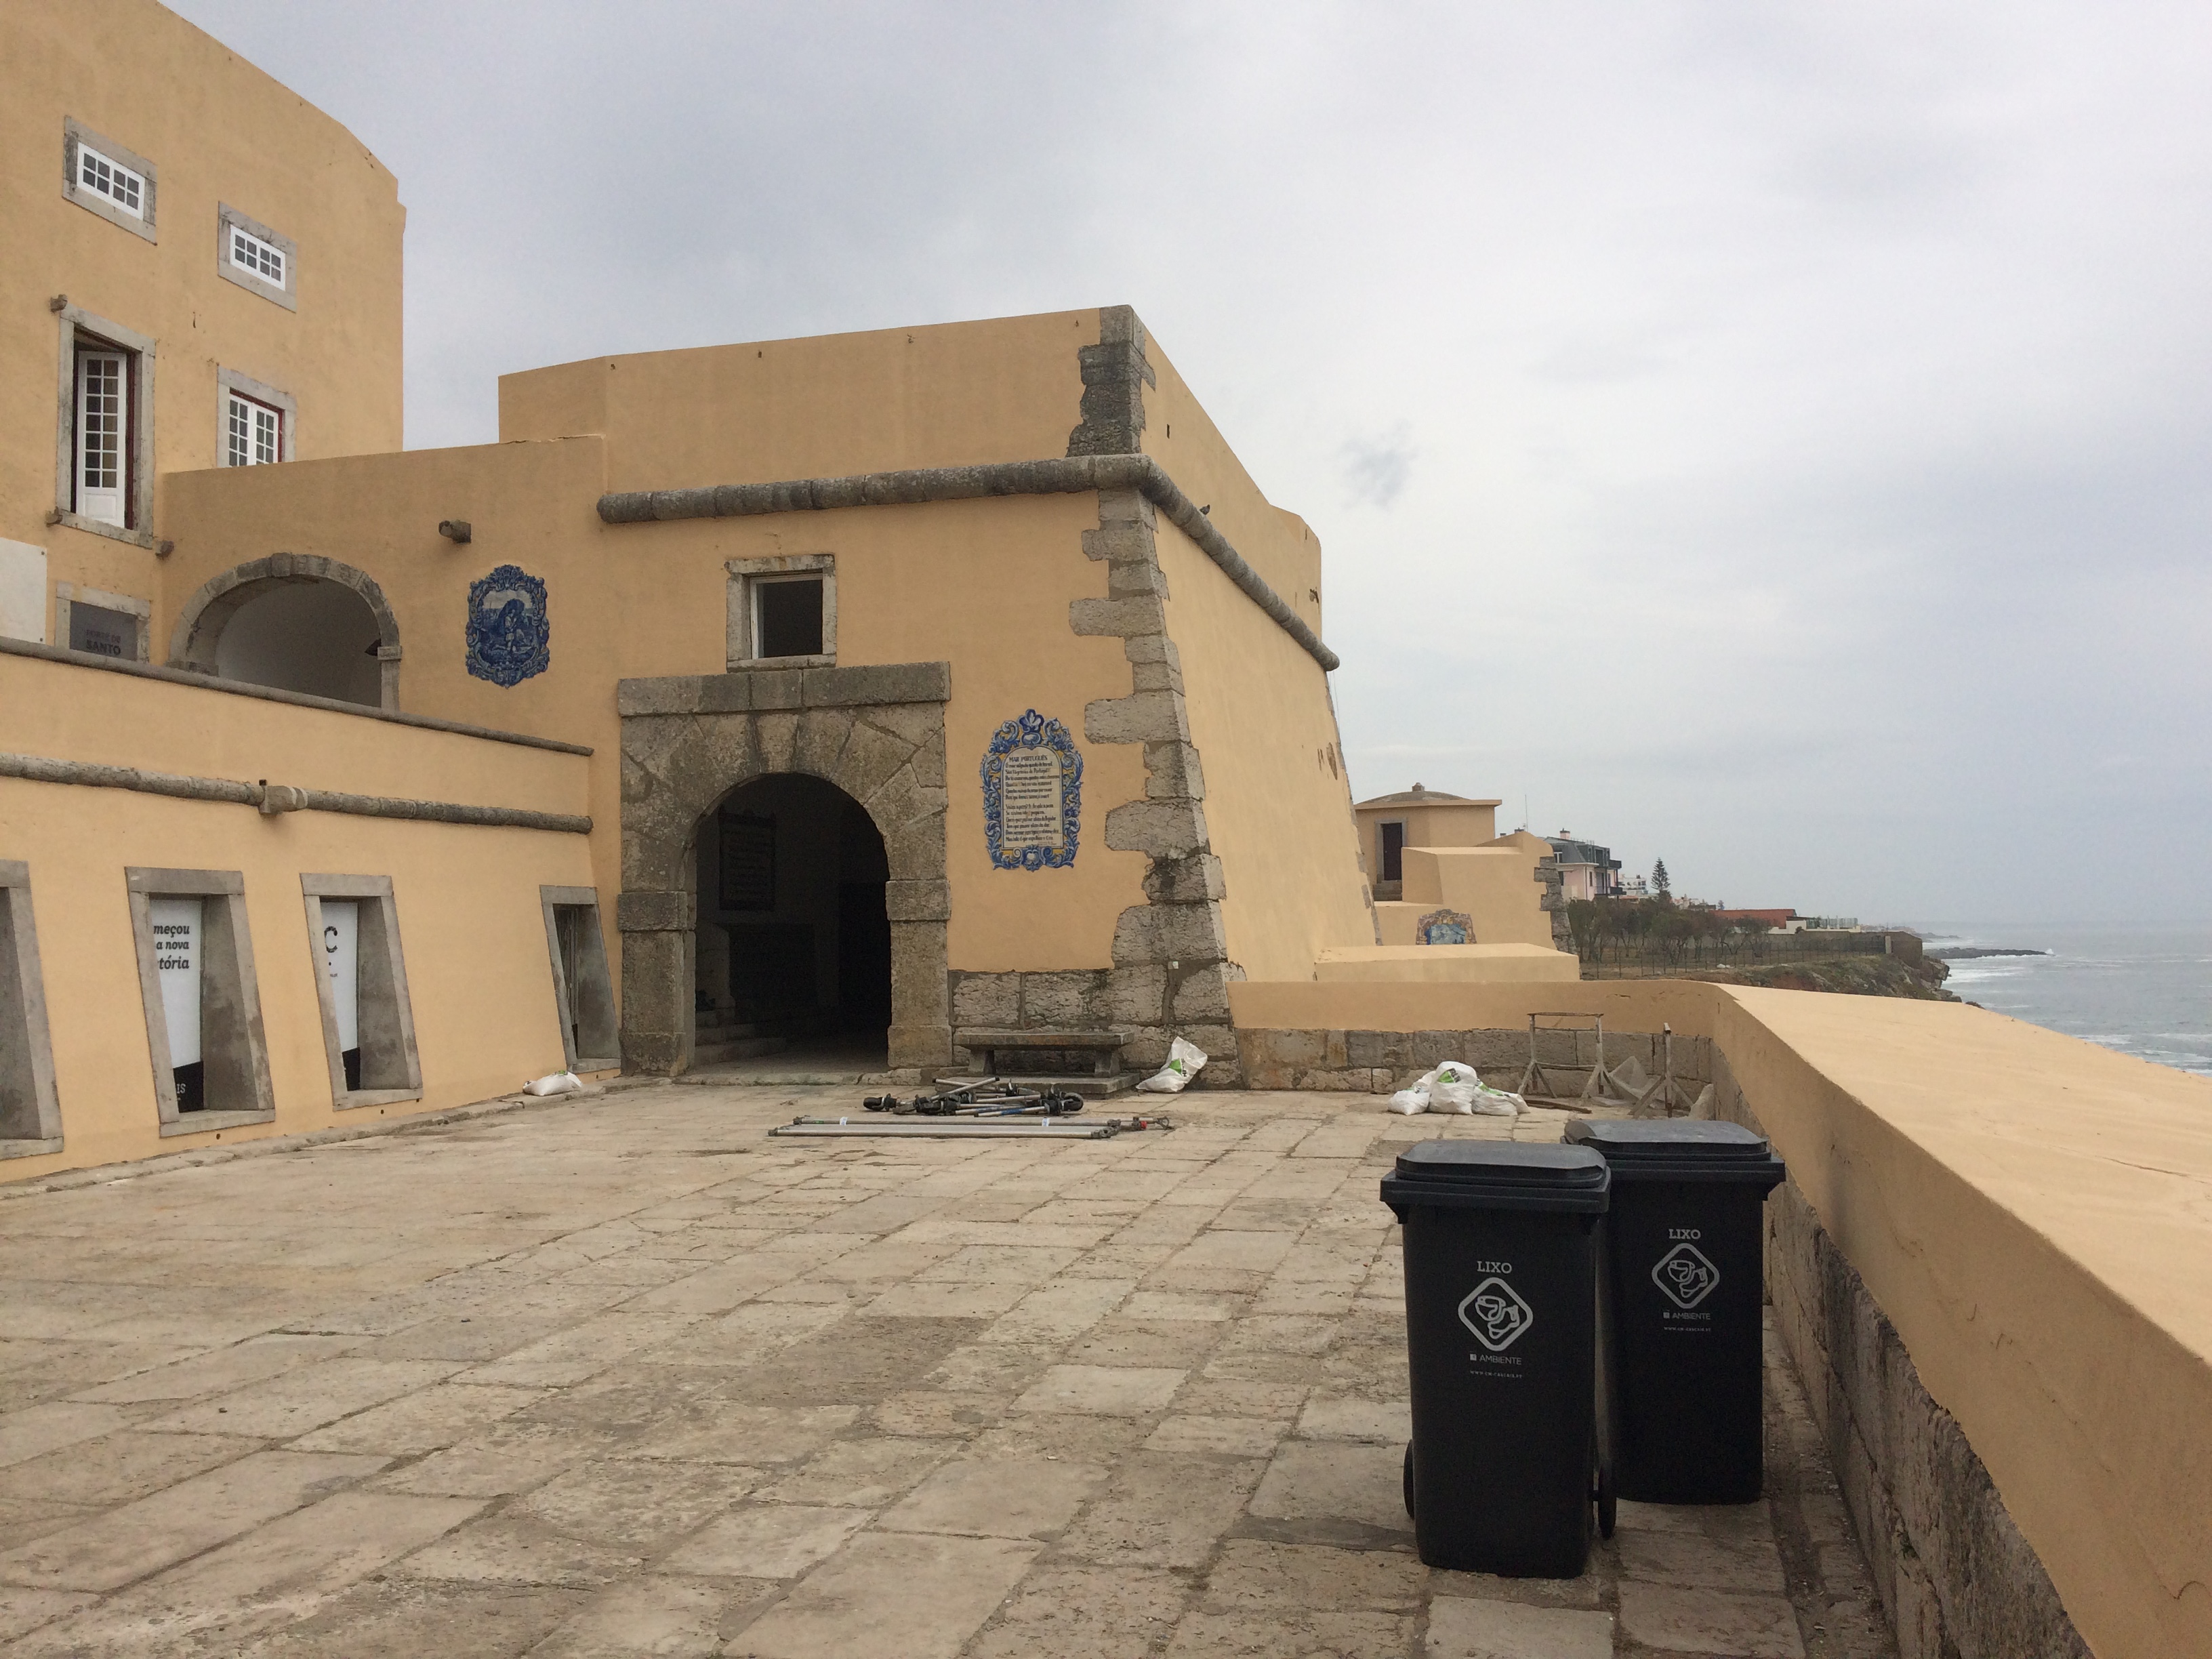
1074 1054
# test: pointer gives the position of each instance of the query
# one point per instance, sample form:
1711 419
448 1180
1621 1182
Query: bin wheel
1409 1478
1608 1502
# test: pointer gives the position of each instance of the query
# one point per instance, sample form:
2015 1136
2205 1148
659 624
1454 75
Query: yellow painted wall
217 131
2034 1215
1181 437
1393 963
1277 805
984 584
1495 885
1468 823
470 917
62 711
948 394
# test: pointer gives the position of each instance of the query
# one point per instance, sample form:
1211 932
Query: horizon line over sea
2144 990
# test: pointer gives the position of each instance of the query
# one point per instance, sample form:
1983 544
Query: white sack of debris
554 1083
1453 1087
1185 1061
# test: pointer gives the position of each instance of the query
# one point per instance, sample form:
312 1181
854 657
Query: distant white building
1587 871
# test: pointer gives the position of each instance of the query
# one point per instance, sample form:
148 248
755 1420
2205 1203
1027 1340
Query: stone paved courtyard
622 1376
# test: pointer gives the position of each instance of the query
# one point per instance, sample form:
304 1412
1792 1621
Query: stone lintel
766 689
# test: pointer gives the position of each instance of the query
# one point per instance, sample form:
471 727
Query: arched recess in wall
296 621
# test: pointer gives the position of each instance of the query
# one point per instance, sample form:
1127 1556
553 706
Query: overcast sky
1776 438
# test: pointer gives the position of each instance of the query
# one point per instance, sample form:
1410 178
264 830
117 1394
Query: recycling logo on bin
1686 1275
1496 1314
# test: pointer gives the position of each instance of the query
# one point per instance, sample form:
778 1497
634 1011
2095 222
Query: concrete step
713 1052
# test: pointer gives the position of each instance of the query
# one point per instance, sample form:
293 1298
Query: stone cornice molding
274 798
1073 475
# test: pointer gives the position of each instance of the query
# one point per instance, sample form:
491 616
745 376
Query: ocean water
2144 991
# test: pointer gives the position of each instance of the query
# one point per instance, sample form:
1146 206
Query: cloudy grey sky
1776 438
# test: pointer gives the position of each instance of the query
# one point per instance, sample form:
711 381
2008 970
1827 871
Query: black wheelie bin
1501 1321
1685 1282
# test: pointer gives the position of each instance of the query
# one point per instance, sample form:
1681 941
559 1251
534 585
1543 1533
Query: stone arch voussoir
200 626
684 747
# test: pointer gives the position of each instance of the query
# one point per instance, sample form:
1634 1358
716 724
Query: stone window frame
742 627
597 988
28 1096
78 326
287 294
76 134
379 986
228 381
245 1048
68 595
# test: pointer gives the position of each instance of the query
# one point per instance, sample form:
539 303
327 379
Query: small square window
787 621
783 610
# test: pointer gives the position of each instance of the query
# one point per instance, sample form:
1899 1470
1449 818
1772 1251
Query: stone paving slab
624 1376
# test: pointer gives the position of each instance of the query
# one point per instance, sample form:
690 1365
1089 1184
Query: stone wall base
1954 1576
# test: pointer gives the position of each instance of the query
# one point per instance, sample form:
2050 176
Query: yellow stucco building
952 692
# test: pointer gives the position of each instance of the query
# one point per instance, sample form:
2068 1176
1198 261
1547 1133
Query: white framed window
103 435
783 611
105 177
255 256
108 178
102 481
253 432
254 423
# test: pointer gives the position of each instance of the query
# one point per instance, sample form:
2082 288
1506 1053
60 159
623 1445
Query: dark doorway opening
794 942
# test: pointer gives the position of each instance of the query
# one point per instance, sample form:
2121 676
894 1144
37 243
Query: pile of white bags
1453 1087
1185 1061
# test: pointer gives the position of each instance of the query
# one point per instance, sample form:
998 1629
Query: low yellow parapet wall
2031 1213
1446 964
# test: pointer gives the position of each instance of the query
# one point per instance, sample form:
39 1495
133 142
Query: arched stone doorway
793 940
691 744
298 622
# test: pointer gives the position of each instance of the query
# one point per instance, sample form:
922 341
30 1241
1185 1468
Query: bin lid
1679 1149
1498 1175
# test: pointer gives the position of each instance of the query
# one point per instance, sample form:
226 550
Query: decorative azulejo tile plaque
1444 927
1032 794
508 630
